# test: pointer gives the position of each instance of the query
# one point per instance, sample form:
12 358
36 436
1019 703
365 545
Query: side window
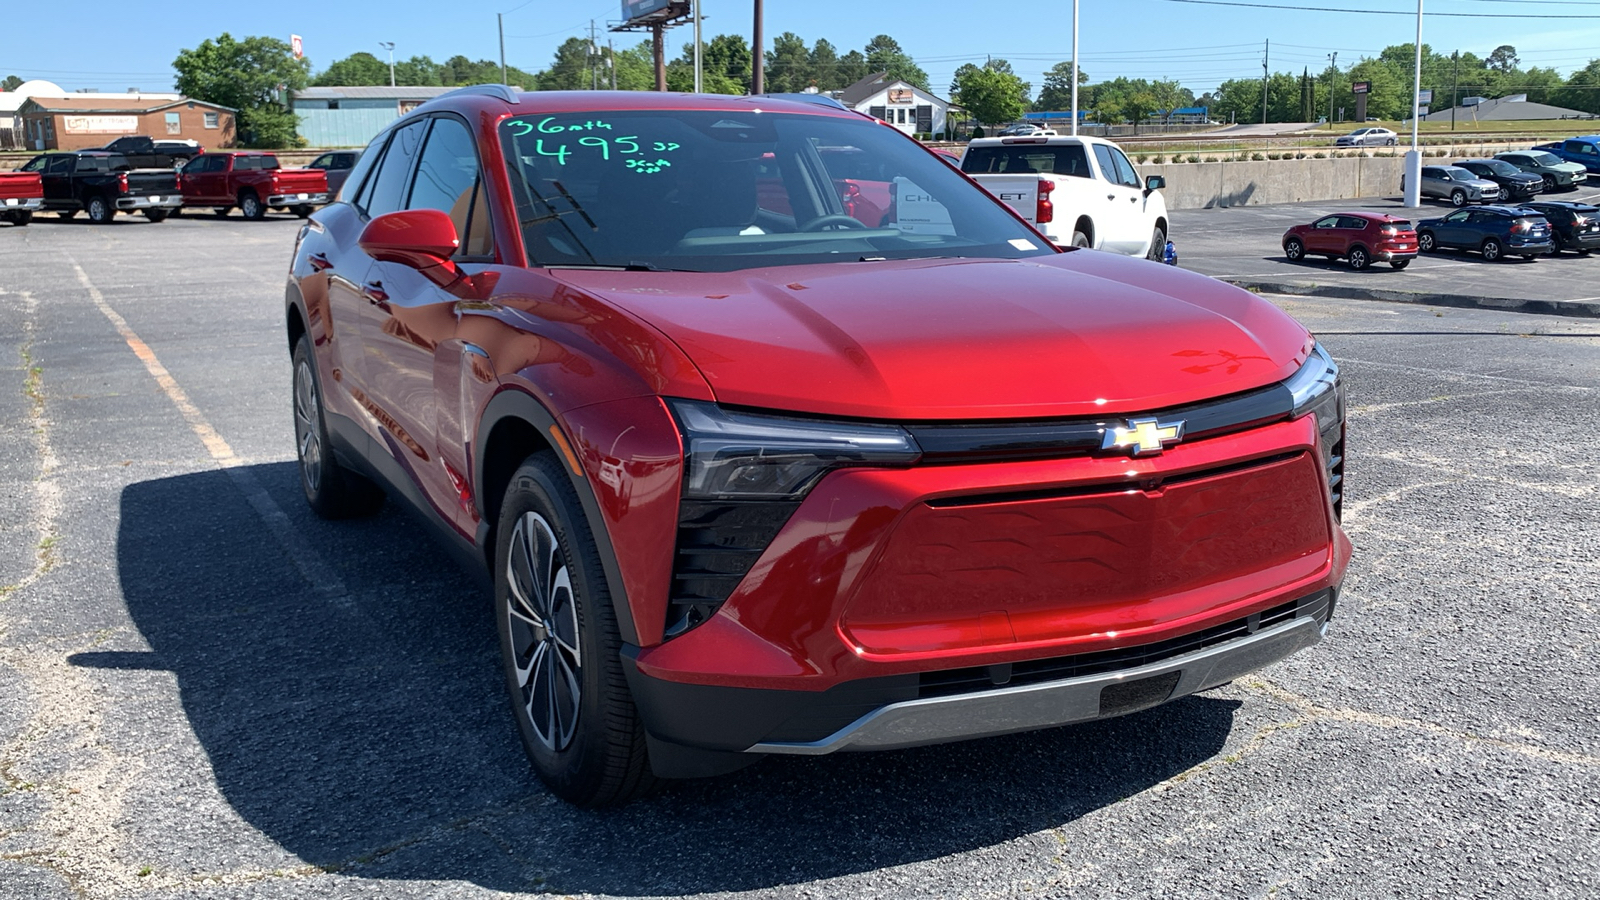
389 181
447 180
1125 172
325 161
37 164
1329 222
61 165
1352 222
1456 218
1431 172
1108 166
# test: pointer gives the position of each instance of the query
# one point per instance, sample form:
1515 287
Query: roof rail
818 99
498 91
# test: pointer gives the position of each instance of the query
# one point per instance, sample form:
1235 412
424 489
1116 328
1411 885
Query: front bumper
155 201
18 204
277 200
938 707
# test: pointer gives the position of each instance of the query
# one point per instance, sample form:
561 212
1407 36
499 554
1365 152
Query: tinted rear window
1027 159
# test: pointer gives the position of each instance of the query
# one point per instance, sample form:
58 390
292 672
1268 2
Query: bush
1299 156
1258 157
1194 159
1141 158
1160 160
977 132
1319 155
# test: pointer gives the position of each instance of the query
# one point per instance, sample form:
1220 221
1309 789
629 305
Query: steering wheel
822 222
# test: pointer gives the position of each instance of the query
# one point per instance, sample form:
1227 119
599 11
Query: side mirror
419 238
1154 183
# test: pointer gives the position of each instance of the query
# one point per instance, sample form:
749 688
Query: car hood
1080 333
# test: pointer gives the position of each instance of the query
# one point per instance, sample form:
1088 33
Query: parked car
1495 231
1582 150
1455 184
1078 191
1368 137
727 467
101 184
252 181
1024 130
1576 226
1552 169
21 194
336 166
146 153
1515 184
1359 237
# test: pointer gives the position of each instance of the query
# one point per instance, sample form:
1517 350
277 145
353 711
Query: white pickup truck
1080 191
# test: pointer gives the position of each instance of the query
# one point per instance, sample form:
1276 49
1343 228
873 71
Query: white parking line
316 571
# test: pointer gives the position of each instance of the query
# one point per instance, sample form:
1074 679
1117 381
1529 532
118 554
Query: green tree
1503 58
354 70
788 64
253 76
636 68
1582 90
11 83
823 64
724 67
852 68
989 94
883 54
1057 91
418 71
573 69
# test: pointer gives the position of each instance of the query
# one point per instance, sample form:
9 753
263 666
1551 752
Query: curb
1584 309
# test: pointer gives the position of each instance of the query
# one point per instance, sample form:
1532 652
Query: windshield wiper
619 267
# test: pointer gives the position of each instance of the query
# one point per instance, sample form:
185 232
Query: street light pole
1074 68
1333 65
1413 177
698 86
757 59
501 18
389 46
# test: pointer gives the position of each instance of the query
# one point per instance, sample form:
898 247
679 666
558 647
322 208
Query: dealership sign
100 124
1361 87
633 10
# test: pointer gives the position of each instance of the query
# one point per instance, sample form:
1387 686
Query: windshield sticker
647 168
619 148
547 125
1023 244
916 212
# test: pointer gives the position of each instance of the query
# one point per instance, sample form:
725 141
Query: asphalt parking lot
1243 244
207 692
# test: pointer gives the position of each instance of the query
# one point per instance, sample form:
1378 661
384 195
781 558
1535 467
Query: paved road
207 693
1244 244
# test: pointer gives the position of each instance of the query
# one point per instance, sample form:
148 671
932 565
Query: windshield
1459 174
723 190
1027 159
1545 159
1500 167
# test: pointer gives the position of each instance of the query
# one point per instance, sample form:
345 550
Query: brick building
82 122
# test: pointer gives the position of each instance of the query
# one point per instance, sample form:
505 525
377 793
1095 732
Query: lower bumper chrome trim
1007 710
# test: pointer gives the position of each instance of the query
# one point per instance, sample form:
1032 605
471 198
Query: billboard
1361 87
1425 97
636 9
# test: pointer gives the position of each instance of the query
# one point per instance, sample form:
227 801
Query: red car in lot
1360 237
252 181
750 481
21 195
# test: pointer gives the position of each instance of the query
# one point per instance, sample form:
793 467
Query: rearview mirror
1154 183
419 238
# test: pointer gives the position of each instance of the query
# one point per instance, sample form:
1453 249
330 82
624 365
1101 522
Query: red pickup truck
20 194
252 181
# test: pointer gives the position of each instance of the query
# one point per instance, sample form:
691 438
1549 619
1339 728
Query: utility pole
757 58
1413 172
594 51
1266 51
698 87
611 61
389 46
1333 72
501 17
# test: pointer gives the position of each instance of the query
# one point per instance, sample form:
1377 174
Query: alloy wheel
1294 250
307 433
1425 242
542 614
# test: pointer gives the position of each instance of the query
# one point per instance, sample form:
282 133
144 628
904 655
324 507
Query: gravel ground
206 692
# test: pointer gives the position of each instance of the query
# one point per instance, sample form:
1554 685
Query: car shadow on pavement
366 731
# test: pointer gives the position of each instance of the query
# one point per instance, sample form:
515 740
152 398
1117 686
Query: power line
1379 12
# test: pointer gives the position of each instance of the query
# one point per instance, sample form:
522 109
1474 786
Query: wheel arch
294 316
513 427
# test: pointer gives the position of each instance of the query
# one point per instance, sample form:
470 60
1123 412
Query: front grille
1336 478
981 678
718 542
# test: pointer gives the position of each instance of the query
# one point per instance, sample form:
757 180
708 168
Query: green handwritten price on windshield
609 148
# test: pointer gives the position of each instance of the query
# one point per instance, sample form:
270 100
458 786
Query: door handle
375 294
1111 196
1133 199
320 262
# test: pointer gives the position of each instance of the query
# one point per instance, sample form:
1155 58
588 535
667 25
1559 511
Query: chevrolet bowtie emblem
1143 437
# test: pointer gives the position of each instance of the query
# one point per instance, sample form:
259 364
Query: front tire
100 210
250 205
1400 263
1425 242
1549 184
333 491
1458 197
560 646
1359 258
157 215
21 218
1158 245
1294 249
1492 250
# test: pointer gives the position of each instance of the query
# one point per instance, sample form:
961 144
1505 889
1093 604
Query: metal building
352 116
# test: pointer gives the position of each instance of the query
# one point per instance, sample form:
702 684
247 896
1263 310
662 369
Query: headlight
1313 382
1316 391
738 455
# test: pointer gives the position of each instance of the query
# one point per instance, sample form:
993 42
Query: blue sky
1199 45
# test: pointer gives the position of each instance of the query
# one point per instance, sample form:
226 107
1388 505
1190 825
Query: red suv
1359 237
754 476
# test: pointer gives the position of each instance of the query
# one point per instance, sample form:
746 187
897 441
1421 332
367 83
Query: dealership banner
100 124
